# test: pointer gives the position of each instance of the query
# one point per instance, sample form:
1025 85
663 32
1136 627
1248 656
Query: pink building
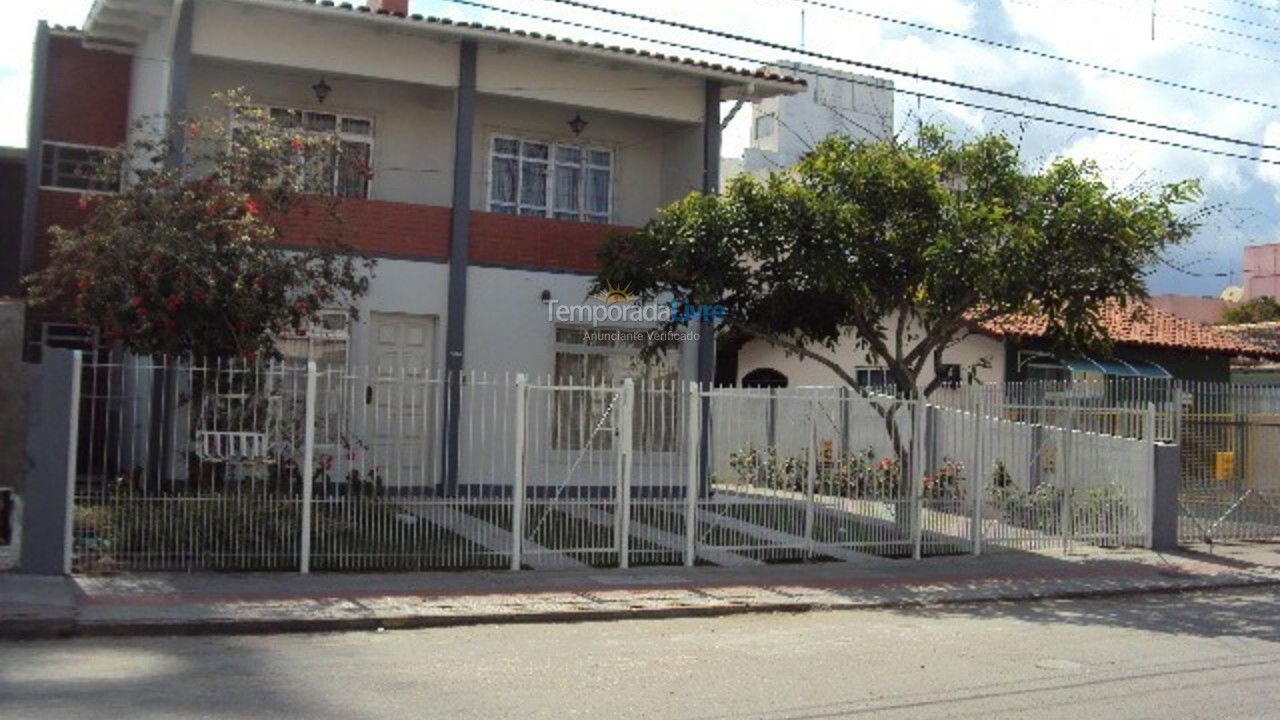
1262 270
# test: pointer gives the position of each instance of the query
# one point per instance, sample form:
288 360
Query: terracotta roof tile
1142 324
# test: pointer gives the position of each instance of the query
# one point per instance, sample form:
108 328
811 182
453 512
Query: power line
917 76
845 78
1228 18
1224 31
1036 53
1251 56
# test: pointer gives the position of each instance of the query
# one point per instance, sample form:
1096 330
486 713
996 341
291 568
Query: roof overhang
130 20
125 21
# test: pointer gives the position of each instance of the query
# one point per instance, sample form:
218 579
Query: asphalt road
1211 655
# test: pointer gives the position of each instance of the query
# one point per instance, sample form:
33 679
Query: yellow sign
1224 465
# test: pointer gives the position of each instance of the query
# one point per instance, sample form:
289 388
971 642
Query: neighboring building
1197 308
1262 270
1155 343
12 183
556 144
785 127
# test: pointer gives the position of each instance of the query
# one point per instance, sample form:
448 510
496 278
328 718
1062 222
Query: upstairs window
75 167
540 179
346 167
766 126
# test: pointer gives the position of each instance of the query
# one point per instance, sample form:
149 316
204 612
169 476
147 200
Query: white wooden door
403 399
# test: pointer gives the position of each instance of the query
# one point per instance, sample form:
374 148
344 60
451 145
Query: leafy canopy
904 246
1259 309
187 259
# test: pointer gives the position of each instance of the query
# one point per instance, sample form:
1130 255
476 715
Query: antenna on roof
802 47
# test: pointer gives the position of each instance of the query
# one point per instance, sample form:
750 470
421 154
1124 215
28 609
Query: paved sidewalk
171 603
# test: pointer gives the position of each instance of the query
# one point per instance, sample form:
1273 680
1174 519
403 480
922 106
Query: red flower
137 301
297 144
83 203
251 207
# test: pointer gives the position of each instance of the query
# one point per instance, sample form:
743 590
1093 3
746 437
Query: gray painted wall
46 499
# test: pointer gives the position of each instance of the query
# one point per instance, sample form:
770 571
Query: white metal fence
236 466
1228 436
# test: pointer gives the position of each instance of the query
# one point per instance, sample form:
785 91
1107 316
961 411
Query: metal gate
572 490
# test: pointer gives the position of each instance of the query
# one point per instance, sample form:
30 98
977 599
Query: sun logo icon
610 295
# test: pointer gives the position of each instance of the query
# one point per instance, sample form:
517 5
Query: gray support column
706 328
1164 498
35 136
459 242
52 429
159 443
180 84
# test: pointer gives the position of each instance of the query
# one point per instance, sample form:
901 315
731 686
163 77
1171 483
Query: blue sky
1229 46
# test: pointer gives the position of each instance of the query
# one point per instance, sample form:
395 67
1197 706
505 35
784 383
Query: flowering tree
187 260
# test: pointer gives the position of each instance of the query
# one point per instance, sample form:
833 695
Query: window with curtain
346 167
607 356
568 182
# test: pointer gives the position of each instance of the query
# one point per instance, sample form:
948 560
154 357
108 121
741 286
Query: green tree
1259 309
186 260
903 248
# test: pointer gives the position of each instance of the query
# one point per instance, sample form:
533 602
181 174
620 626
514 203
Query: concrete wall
968 353
413 124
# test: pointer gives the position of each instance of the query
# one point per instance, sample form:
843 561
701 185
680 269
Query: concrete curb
55 628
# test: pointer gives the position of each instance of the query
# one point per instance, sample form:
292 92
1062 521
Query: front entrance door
403 399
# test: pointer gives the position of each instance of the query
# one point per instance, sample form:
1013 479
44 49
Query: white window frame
645 441
337 133
60 188
318 331
548 209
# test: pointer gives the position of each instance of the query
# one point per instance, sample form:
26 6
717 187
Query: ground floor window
327 341
606 357
873 377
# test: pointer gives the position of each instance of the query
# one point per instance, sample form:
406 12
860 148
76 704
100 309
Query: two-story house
500 158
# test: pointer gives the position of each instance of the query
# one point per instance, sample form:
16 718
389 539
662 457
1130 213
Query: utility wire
916 75
854 80
1036 53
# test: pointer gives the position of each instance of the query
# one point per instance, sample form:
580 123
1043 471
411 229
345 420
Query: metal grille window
326 341
607 356
568 182
75 167
345 169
